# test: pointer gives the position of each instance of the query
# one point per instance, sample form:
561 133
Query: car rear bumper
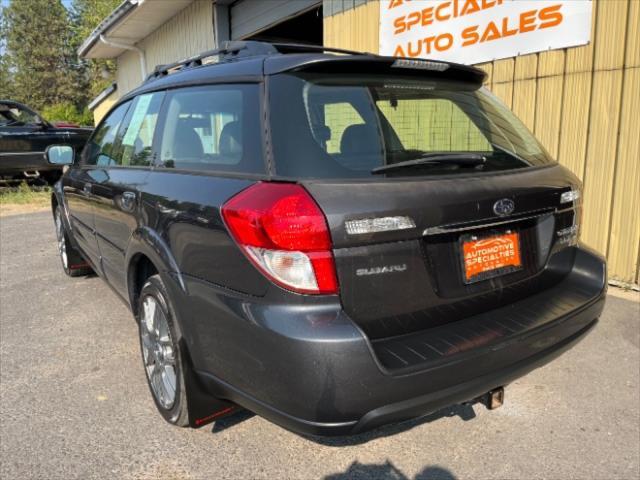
312 370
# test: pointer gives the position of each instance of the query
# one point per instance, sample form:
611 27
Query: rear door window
135 136
213 128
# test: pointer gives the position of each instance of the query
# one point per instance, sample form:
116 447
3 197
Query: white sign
475 31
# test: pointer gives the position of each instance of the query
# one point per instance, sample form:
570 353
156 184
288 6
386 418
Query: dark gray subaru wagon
332 240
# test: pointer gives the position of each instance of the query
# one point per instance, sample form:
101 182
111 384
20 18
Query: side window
14 116
215 128
134 139
100 148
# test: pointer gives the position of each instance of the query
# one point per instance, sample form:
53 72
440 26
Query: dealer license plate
487 257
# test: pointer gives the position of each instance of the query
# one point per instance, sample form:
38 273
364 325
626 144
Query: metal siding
488 68
611 29
632 57
251 16
580 59
502 80
103 107
625 211
550 87
188 33
602 143
601 157
525 88
575 122
582 103
355 28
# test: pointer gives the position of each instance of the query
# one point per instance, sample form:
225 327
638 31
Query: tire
72 262
160 342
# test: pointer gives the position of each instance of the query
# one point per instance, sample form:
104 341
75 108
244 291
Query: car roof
15 104
248 61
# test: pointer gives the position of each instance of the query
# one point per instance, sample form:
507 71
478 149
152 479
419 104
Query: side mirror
60 155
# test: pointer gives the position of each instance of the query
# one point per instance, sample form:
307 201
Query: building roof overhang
129 23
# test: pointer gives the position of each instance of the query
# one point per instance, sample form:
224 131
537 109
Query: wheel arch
147 255
57 200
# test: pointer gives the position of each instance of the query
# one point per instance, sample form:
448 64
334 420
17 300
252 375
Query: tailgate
400 281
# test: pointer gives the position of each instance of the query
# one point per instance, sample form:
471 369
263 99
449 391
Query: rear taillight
283 231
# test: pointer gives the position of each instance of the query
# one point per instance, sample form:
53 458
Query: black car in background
332 240
24 138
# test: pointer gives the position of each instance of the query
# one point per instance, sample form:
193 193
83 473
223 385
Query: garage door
249 17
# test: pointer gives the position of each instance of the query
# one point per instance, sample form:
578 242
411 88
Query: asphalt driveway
74 402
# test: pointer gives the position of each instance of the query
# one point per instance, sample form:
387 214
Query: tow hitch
493 399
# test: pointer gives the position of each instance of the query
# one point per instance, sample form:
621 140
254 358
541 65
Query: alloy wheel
157 352
62 243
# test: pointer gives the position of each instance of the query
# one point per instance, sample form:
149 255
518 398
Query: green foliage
25 194
4 66
67 112
39 65
40 58
87 15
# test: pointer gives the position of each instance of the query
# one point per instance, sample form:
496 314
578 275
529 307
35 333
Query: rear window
213 128
351 126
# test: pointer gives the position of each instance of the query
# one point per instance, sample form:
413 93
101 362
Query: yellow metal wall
104 106
355 29
583 103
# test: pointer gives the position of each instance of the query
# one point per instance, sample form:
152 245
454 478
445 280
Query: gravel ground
74 402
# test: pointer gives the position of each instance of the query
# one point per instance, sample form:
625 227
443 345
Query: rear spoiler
374 64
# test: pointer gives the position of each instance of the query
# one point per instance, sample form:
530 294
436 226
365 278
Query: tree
40 56
87 15
39 65
5 79
67 112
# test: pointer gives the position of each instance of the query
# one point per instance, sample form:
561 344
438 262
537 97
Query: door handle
87 188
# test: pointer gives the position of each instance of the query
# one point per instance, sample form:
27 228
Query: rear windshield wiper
463 159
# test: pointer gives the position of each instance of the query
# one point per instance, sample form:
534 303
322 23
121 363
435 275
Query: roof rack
241 49
227 51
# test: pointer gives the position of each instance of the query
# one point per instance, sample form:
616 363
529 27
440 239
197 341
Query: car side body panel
23 147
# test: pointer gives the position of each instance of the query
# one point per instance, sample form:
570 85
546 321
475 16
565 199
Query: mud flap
203 407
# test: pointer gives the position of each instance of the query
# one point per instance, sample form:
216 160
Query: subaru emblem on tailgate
503 207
